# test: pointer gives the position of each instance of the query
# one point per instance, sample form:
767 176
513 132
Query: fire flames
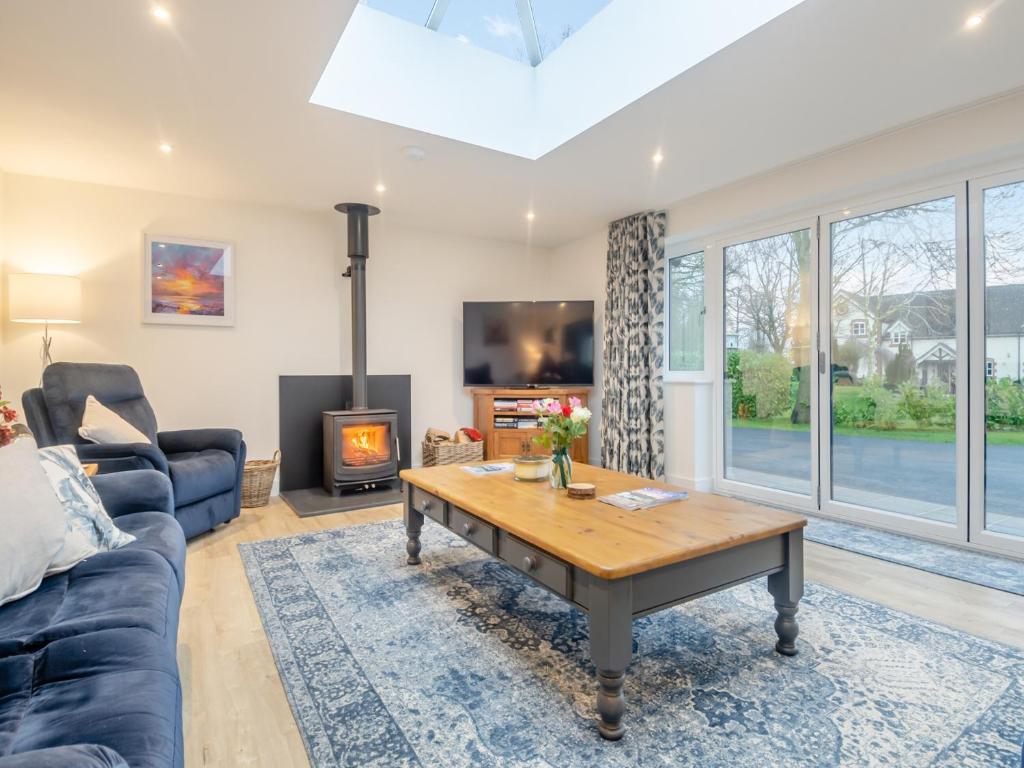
365 444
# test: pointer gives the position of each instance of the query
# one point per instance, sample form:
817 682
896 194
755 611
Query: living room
774 253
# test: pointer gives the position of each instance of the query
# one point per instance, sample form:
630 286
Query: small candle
531 468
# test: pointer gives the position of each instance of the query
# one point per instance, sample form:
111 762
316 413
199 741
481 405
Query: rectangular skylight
430 82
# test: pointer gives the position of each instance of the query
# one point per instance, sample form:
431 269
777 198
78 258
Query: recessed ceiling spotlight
657 157
847 212
414 153
381 188
530 216
161 14
974 21
166 148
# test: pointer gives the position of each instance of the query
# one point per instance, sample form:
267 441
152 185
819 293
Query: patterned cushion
89 527
31 522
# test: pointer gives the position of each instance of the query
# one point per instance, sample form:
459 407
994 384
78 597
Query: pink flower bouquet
561 424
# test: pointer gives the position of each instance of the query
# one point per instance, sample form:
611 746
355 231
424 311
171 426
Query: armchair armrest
115 457
69 756
183 440
140 490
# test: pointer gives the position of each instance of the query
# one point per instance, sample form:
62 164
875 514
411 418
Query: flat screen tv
528 343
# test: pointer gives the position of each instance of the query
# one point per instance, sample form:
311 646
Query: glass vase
561 468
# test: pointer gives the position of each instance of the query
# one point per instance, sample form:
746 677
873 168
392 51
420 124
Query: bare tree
767 293
898 264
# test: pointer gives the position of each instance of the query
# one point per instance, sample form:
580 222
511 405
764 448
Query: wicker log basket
258 479
435 454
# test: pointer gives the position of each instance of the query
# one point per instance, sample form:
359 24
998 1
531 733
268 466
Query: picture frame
187 281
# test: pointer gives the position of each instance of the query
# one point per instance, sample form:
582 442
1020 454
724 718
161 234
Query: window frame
720 483
859 323
674 249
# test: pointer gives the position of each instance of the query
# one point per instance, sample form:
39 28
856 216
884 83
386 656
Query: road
908 469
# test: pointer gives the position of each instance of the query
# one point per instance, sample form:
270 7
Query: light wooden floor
236 712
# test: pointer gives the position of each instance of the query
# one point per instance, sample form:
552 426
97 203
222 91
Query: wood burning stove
360 449
360 444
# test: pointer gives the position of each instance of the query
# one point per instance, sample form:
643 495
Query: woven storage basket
257 480
435 454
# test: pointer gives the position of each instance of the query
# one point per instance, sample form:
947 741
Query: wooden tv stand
507 443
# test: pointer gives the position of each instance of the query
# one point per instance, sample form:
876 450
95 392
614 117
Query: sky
494 24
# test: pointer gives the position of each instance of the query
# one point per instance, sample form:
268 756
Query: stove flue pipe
358 251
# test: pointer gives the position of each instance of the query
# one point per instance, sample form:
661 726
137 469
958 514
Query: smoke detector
414 153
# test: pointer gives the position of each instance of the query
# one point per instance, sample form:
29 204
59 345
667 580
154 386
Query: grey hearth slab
309 502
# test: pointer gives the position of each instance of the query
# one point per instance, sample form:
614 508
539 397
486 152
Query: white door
767 390
893 364
997 328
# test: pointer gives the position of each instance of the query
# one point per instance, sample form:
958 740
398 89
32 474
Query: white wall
293 308
576 271
416 283
917 155
3 295
288 308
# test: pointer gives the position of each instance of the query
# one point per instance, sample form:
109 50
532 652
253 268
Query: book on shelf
643 498
514 424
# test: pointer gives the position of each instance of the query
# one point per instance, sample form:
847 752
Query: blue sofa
204 465
88 668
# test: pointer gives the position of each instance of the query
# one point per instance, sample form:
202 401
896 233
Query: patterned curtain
632 410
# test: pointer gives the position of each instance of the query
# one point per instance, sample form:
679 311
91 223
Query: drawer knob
529 563
425 505
468 528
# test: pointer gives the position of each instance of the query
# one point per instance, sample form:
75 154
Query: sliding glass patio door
873 364
893 365
997 330
768 419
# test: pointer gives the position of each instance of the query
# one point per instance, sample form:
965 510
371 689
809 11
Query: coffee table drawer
473 529
552 573
429 504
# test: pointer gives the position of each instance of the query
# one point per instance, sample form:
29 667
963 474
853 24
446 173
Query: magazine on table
644 498
488 469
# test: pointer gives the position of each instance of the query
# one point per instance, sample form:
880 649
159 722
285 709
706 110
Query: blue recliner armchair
204 465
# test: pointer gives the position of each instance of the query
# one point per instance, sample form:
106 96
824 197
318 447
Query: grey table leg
413 526
787 587
611 648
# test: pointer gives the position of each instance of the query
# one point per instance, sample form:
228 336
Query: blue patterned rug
993 571
462 662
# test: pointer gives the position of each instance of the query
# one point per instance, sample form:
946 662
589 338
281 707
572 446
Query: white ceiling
430 81
88 90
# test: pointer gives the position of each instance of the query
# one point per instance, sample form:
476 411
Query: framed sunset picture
188 282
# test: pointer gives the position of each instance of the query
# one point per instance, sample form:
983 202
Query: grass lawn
908 432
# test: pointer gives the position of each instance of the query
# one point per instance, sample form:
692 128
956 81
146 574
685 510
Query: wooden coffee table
613 564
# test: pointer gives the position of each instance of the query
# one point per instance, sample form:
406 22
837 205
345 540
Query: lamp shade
44 298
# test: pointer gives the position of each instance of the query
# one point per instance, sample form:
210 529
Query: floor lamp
45 299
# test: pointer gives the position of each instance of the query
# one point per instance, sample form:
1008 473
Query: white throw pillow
102 425
89 528
31 521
